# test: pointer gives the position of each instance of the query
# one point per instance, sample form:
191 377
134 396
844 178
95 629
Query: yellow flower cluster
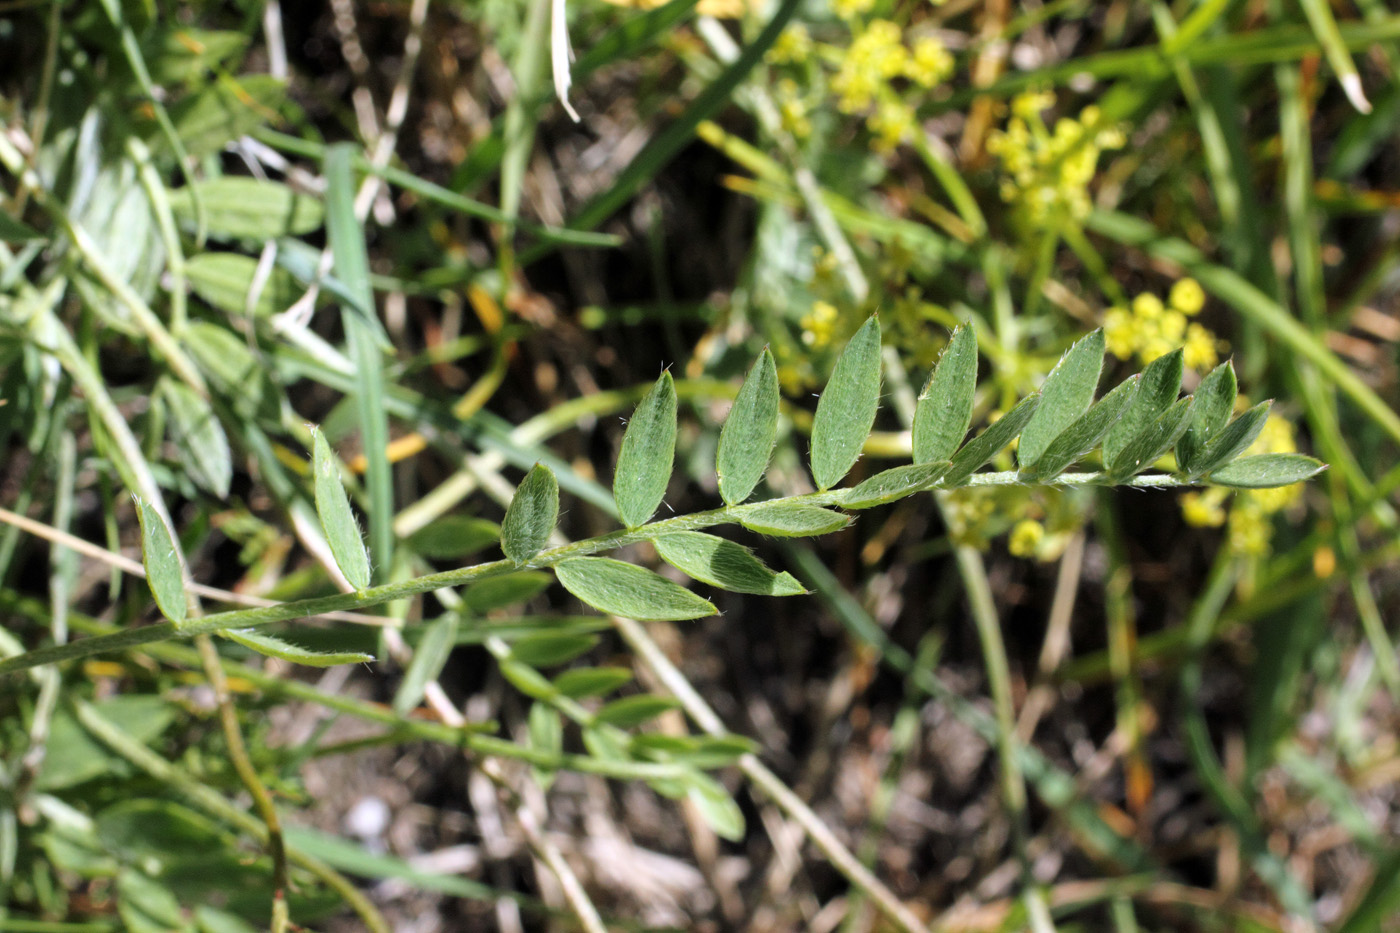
1049 171
1148 328
1251 512
819 325
793 109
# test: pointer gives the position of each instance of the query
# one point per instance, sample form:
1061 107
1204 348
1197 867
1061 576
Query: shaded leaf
1215 401
846 410
499 592
429 657
548 649
225 281
982 448
630 712
1231 441
648 449
1153 441
717 807
277 648
792 521
944 410
546 734
249 208
338 521
1161 384
698 751
216 115
74 756
591 681
230 366
895 484
453 537
198 437
13 231
722 563
621 589
531 515
749 433
1084 434
527 680
1265 471
165 574
1064 397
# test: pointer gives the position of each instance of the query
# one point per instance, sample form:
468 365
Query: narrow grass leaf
630 712
1064 397
1161 384
846 411
648 451
13 231
165 574
531 515
895 484
749 433
717 807
198 437
338 521
1265 471
621 589
1152 442
792 521
429 657
1084 434
1215 401
944 409
584 682
277 648
982 448
724 564
249 208
1232 440
549 649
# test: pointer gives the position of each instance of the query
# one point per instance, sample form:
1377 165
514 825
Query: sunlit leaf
1064 397
1084 434
249 208
982 448
1231 441
1265 471
630 712
944 410
622 589
1153 441
1215 402
722 563
531 515
792 521
746 441
591 681
648 449
499 592
545 729
894 484
165 574
1161 383
717 807
846 410
338 521
453 537
277 648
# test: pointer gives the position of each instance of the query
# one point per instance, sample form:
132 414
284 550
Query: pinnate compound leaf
531 515
724 564
165 574
749 433
1232 440
989 443
338 521
1084 434
895 484
792 521
1215 401
648 450
944 410
1153 441
1161 384
277 648
717 807
1064 397
1265 471
199 438
846 410
591 681
630 712
621 589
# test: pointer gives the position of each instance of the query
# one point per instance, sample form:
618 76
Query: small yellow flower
1203 509
930 62
890 123
1120 333
1200 349
793 46
793 109
1187 296
1025 538
1148 306
1029 104
819 324
850 9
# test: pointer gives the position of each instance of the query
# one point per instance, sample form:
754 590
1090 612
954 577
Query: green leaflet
846 411
1066 395
591 681
429 657
549 649
1153 441
1161 383
453 537
648 448
716 806
1084 434
621 589
944 410
724 564
1215 401
1231 441
1266 471
749 433
895 484
214 116
165 574
250 209
199 438
531 515
989 443
792 521
629 712
333 505
227 281
499 592
545 729
277 648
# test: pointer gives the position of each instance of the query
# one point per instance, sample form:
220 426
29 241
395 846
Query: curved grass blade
1153 442
749 433
1066 395
944 410
621 589
1265 471
729 566
792 521
165 574
846 411
1215 401
894 484
648 450
988 444
1161 384
1231 441
277 648
338 521
531 515
1084 434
